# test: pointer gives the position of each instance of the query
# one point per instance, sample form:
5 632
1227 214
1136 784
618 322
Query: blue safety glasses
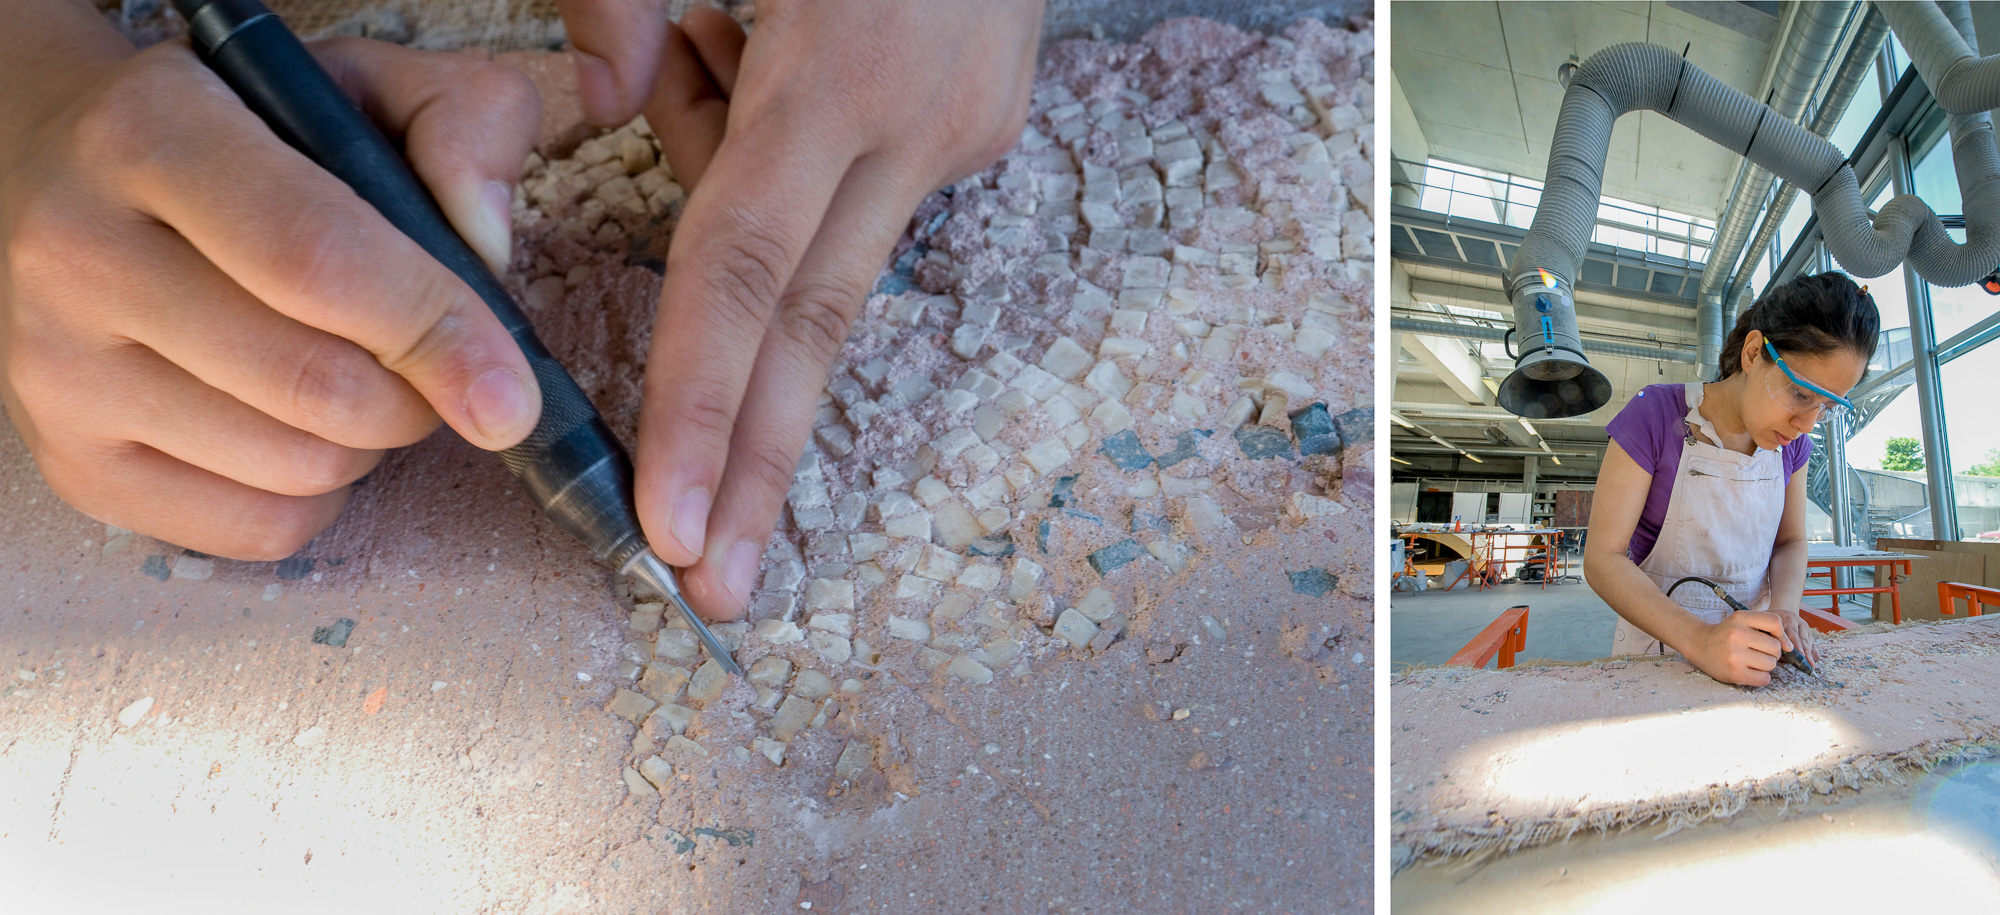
1800 395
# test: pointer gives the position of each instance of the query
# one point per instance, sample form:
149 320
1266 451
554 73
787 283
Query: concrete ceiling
1424 395
1480 80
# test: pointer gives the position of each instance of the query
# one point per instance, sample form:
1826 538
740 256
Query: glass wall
1887 478
1888 487
1886 482
1967 386
1860 111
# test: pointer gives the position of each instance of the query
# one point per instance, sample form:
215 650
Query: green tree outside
1903 454
1986 468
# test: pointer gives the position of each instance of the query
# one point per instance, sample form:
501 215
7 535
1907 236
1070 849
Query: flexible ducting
1639 76
1938 37
1630 77
1816 30
1494 335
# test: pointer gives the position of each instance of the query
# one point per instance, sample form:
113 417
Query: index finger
1773 628
739 241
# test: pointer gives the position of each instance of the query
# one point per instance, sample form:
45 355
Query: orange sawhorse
1974 595
1502 637
1895 570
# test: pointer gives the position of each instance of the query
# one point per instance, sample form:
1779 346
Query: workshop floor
1566 621
433 707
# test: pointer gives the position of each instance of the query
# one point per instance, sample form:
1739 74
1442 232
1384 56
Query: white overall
1722 521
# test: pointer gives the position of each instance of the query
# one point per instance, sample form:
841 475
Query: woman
1708 480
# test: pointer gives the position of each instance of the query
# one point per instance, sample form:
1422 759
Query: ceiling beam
1590 309
1449 359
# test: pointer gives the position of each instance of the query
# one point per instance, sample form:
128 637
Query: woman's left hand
1801 635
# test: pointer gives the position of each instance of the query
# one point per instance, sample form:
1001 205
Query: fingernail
492 228
498 404
739 570
690 521
597 87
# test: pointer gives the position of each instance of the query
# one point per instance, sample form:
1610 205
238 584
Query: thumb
617 44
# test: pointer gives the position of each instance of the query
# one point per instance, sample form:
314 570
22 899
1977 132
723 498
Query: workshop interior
1584 200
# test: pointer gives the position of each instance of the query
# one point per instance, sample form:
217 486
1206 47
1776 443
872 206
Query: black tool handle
571 464
1790 656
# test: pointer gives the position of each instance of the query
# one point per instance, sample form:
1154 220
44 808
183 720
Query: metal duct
1445 414
1495 335
1803 58
1508 451
1856 66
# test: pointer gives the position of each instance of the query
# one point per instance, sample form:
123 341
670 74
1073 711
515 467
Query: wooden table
1488 551
1891 568
1446 538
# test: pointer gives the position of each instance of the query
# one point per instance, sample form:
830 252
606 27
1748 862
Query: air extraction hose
1553 378
1630 77
1938 37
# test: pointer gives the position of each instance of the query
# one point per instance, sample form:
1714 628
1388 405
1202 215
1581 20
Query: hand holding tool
571 465
1790 656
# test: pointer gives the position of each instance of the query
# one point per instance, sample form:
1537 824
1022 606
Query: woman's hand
1741 649
840 116
1799 634
204 336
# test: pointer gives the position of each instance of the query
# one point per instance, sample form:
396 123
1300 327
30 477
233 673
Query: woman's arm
1741 649
1788 568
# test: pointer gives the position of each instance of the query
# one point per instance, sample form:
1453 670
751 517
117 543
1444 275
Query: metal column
1842 499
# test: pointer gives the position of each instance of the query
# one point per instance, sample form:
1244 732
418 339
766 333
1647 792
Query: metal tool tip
648 568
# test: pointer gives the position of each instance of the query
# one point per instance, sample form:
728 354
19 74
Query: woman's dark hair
1816 315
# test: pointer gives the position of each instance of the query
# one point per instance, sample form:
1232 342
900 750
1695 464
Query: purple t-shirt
1651 429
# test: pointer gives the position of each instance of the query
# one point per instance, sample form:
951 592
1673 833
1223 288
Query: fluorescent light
1474 457
1399 460
1398 419
1531 429
1556 458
